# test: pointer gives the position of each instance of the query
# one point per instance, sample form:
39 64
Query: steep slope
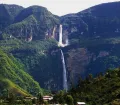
14 78
7 14
13 10
94 40
8 86
33 22
39 60
102 90
91 56
93 43
98 21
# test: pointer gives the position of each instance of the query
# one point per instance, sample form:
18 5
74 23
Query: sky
59 7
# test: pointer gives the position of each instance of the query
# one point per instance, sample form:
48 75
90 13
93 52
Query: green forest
32 62
101 90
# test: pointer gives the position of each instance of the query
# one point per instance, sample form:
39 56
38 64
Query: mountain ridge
93 38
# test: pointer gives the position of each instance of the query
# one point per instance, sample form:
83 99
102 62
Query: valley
44 53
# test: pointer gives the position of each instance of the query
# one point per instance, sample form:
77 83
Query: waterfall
66 42
53 33
65 87
60 43
60 35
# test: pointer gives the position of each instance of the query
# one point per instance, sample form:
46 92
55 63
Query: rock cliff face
73 26
82 61
98 21
93 36
23 23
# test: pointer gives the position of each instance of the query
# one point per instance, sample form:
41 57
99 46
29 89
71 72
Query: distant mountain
35 22
98 21
31 35
94 40
22 37
7 14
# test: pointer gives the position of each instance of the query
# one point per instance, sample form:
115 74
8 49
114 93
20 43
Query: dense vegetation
37 58
91 56
102 90
13 77
8 13
30 35
98 21
33 21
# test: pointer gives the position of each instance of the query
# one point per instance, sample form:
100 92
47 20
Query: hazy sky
59 7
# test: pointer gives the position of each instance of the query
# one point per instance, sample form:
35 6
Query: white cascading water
60 43
53 33
60 36
66 42
65 86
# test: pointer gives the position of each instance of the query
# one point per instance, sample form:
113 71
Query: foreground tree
40 98
69 100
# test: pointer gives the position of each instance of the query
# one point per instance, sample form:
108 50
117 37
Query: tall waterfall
60 43
60 35
65 86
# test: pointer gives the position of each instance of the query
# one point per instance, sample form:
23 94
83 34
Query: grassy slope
6 84
34 56
13 75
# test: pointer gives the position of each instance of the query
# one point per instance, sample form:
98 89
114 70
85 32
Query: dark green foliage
5 19
98 21
91 56
38 59
69 100
63 98
60 97
13 10
40 98
11 99
35 21
102 90
7 14
14 78
93 47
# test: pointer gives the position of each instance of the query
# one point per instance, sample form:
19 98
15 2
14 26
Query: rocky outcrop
76 63
84 61
36 19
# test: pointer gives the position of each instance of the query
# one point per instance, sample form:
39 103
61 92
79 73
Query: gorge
74 58
93 42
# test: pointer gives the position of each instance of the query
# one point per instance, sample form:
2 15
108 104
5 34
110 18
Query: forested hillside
102 90
13 77
31 36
